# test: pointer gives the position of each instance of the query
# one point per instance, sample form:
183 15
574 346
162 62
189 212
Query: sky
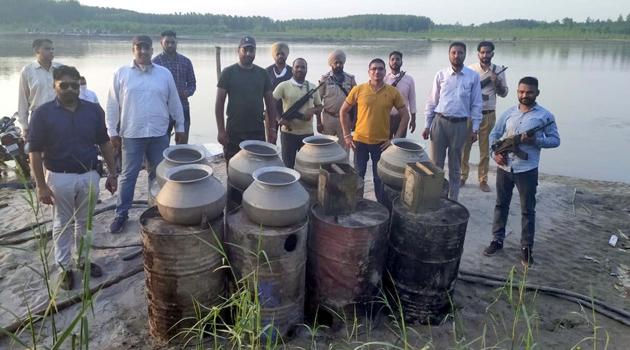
440 11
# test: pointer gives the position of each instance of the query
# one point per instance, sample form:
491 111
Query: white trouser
72 193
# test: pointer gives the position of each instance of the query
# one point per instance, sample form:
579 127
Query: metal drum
279 271
180 264
346 256
424 253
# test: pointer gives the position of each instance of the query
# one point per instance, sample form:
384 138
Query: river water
584 83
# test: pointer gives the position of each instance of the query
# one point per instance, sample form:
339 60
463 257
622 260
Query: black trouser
291 144
526 184
232 148
171 124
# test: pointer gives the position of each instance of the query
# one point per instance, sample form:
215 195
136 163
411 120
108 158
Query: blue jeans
362 153
526 184
134 151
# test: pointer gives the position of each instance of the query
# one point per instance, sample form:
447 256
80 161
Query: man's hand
272 136
111 184
412 124
500 158
349 142
180 138
45 194
474 136
116 142
425 133
320 128
528 139
385 144
223 138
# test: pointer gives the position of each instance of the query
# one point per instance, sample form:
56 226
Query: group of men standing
148 98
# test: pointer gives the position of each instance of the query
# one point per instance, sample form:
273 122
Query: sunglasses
65 86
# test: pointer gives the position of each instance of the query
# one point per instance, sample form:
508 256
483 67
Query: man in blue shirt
63 137
522 173
183 73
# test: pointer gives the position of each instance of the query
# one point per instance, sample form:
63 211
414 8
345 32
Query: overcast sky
440 11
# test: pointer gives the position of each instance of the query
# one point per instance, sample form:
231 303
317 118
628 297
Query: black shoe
118 224
95 270
527 258
494 247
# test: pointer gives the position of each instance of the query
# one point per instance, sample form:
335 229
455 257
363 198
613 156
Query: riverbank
575 218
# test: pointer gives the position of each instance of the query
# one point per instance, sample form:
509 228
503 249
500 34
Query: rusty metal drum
346 256
279 271
180 264
424 253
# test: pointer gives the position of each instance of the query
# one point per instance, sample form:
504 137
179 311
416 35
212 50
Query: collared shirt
514 122
373 109
276 79
489 92
68 139
407 88
36 88
88 95
332 95
142 100
183 73
289 92
455 94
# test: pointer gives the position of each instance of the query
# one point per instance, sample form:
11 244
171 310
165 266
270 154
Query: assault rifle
512 143
293 111
487 81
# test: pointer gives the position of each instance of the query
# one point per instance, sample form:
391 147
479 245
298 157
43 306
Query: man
183 73
142 97
85 93
293 131
279 71
36 82
522 173
455 97
374 100
407 88
247 85
493 83
63 137
333 93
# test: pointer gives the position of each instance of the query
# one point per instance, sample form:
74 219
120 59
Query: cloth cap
141 39
247 41
336 55
279 47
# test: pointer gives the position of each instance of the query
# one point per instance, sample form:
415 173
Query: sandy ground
575 219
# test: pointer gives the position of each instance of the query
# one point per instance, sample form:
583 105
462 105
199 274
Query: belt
79 172
488 111
453 119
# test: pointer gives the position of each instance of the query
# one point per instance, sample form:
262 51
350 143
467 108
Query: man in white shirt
85 93
142 97
36 82
407 88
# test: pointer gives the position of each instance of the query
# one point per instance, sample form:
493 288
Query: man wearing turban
279 71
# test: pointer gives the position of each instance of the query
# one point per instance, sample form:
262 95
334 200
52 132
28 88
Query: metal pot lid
188 173
170 151
276 176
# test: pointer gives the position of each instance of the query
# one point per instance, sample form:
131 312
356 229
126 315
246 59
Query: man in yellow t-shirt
295 130
374 101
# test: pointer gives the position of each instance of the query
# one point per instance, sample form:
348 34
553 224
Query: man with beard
142 99
334 92
405 84
454 99
183 73
374 100
247 85
295 130
63 137
36 82
492 84
522 173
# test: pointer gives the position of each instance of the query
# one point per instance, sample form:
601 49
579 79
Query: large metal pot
189 194
391 166
252 156
179 155
275 198
318 150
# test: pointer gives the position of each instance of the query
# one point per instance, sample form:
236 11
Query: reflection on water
583 83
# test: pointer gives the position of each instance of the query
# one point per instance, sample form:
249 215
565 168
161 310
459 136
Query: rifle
293 111
487 81
512 143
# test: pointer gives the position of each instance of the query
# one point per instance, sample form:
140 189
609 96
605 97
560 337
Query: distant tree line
69 15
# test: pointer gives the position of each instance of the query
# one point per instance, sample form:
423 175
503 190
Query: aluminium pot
318 150
391 166
179 155
253 155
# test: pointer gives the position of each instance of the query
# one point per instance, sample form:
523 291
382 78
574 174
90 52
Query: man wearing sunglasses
63 137
142 98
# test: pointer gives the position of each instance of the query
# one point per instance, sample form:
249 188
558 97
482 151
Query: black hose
598 306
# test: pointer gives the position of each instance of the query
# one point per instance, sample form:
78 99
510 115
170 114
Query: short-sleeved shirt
246 89
289 92
68 139
373 109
